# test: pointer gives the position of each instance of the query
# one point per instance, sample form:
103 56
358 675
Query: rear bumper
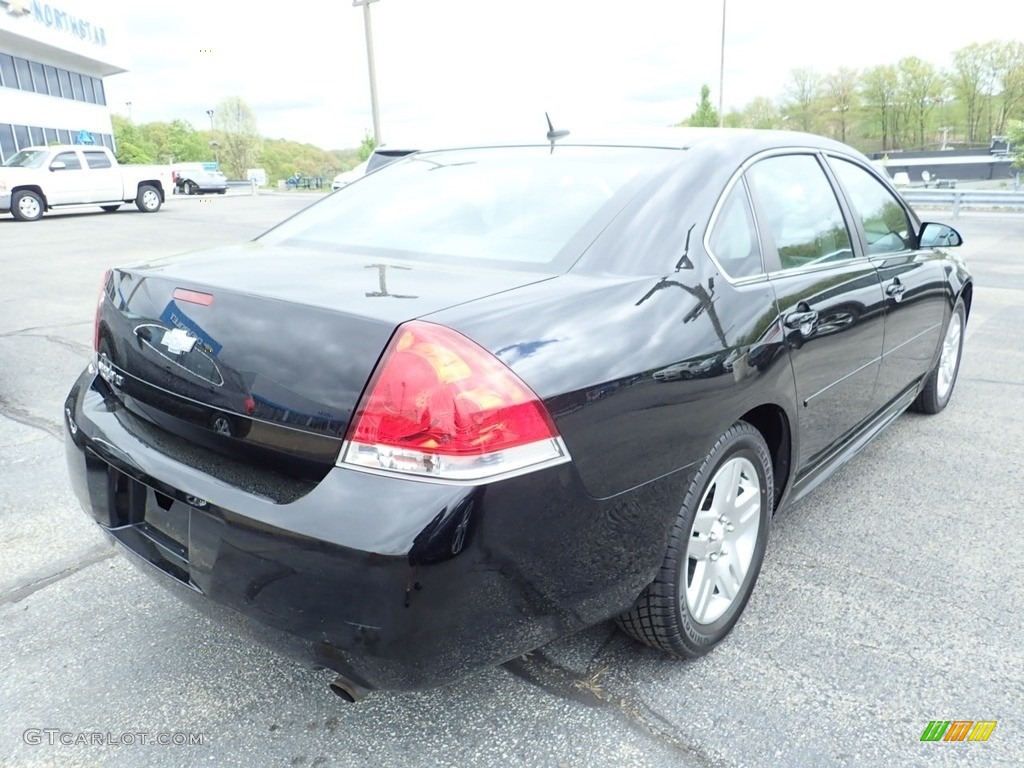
395 584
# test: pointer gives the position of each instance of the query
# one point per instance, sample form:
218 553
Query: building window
65 83
38 137
38 78
51 135
7 71
24 76
108 141
101 96
90 95
76 86
51 80
21 136
7 145
64 136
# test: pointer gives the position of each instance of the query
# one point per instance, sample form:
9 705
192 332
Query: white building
53 58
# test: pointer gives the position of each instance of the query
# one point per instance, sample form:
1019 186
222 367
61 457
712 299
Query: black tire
149 199
662 616
192 187
26 205
110 208
938 387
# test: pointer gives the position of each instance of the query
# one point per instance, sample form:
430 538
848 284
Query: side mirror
58 165
934 235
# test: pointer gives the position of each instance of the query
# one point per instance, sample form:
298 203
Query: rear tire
26 205
715 550
938 387
149 200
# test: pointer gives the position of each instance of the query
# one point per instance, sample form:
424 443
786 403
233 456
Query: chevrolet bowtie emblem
178 341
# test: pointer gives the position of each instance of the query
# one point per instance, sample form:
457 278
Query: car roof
742 140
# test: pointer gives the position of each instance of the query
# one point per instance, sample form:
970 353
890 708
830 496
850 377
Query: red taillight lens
99 307
441 406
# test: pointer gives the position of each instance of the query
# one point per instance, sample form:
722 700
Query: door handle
804 321
896 289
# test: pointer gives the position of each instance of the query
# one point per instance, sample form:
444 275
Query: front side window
801 211
27 158
96 159
70 160
886 226
733 240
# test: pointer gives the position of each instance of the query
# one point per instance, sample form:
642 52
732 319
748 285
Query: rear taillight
99 308
440 406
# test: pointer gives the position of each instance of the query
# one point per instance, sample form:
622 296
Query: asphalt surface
889 598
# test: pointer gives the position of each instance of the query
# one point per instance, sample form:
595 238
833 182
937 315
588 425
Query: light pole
372 68
129 105
721 73
213 141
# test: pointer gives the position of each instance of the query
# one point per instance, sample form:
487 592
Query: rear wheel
714 553
148 200
26 205
110 208
938 387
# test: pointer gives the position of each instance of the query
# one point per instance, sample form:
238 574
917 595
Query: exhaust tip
346 690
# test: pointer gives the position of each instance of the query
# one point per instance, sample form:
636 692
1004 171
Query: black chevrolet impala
488 396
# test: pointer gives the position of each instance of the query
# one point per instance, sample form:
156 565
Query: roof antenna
554 135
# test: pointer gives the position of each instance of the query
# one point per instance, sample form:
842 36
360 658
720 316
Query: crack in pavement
539 670
20 331
21 593
21 416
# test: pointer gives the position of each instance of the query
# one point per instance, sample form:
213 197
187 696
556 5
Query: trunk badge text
178 341
107 371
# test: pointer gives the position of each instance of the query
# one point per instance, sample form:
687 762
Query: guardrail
965 198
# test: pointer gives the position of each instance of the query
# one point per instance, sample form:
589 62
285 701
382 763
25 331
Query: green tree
1015 134
879 87
921 87
237 136
803 97
366 147
841 96
705 115
132 146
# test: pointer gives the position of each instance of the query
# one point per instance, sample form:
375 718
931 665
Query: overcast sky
497 65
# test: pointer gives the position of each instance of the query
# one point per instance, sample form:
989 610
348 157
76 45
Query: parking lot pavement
889 598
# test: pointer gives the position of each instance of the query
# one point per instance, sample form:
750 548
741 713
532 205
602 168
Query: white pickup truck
37 179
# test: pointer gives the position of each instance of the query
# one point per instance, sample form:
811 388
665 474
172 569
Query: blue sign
84 137
210 166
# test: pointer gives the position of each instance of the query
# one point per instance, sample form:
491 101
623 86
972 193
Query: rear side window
886 226
801 210
97 159
733 240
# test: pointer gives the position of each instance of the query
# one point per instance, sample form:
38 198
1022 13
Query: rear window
519 205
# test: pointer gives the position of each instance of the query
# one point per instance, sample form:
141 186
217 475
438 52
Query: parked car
498 394
380 157
196 180
38 179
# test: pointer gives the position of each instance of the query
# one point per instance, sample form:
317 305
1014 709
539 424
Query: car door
913 279
828 296
104 179
66 181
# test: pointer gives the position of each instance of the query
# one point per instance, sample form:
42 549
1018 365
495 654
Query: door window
70 160
801 211
96 159
886 226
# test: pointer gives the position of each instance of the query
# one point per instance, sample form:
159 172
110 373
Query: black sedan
488 396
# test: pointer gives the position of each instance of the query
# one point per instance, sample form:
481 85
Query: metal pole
372 67
721 73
